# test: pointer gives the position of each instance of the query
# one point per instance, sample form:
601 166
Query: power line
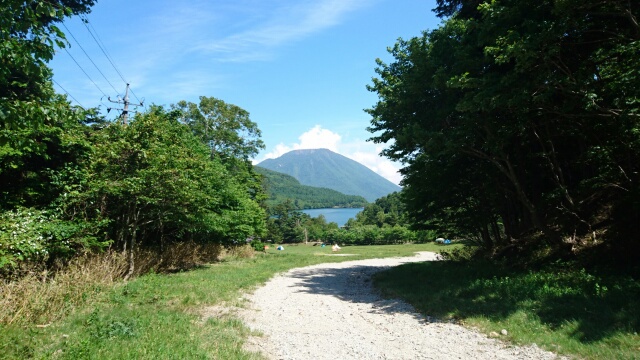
89 77
71 96
101 45
103 48
89 57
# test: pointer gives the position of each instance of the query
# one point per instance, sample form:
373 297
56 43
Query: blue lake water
339 216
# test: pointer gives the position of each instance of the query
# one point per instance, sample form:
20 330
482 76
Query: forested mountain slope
281 186
324 168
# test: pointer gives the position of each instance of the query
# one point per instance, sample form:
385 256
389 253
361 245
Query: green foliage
281 187
257 245
226 127
28 36
68 188
516 117
31 236
155 180
32 157
387 210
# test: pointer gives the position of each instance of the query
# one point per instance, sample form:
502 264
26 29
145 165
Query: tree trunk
132 245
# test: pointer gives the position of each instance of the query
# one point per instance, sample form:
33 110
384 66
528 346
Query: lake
339 216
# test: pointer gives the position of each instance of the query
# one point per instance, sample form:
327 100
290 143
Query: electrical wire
101 45
89 77
71 96
135 96
96 37
89 57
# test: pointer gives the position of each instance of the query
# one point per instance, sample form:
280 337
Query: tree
226 127
155 182
230 134
528 108
39 131
28 37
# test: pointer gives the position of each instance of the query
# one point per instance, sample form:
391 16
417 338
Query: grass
566 311
159 316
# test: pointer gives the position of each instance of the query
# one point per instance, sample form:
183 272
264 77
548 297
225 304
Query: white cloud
363 152
282 25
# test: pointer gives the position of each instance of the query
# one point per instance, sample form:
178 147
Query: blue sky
300 67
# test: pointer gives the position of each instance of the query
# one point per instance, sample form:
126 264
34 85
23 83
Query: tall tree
226 127
39 131
537 96
230 134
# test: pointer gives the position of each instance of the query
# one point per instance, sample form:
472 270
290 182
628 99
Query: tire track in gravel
331 311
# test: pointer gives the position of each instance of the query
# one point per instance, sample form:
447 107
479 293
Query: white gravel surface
331 311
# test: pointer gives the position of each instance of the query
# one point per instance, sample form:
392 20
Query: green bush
35 236
257 245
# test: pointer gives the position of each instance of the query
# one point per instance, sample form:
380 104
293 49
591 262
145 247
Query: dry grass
239 252
177 256
41 297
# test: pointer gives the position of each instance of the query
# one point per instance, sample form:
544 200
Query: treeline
281 187
518 124
72 183
380 223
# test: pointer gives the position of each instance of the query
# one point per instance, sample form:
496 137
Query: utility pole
126 103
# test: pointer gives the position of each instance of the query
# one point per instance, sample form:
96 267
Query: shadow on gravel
353 285
587 307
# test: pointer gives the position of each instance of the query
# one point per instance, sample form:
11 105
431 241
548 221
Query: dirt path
331 311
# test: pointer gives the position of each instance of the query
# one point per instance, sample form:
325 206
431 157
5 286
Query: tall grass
38 298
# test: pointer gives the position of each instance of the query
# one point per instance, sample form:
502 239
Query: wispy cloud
363 152
284 24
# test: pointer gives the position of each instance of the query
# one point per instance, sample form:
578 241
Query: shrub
257 245
30 236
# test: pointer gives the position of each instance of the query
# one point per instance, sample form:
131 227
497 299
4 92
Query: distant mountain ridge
281 187
324 168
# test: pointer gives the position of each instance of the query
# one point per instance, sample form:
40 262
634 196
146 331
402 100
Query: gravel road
331 311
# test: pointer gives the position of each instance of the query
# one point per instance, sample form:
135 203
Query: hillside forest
281 187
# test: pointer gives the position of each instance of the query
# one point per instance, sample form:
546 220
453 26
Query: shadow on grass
599 307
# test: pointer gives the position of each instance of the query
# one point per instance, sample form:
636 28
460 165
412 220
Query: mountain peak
325 168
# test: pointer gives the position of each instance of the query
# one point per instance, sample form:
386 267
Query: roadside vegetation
518 126
153 316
